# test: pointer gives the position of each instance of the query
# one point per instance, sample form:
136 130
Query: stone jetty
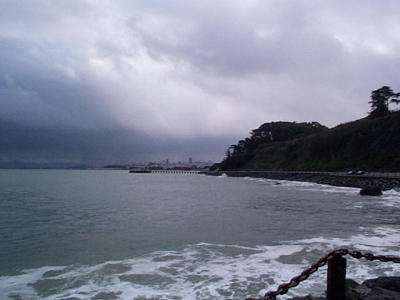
383 181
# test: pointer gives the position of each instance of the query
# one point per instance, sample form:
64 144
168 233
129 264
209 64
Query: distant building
190 160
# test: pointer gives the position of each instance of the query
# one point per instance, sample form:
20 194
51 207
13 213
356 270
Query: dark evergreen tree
380 100
237 156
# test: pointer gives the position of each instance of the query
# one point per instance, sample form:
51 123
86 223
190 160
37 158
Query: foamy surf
203 271
389 198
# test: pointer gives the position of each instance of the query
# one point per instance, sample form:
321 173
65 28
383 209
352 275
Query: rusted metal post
336 278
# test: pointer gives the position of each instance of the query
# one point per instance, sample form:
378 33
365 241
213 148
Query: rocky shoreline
383 182
380 288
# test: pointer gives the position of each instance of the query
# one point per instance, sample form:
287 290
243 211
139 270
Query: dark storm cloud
91 81
22 145
34 89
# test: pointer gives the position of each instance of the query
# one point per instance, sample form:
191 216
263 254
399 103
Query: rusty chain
295 281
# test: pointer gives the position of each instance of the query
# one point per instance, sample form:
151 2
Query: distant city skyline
163 164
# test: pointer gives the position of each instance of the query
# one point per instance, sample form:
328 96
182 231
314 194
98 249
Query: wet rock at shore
381 288
388 283
375 191
308 297
374 289
355 290
383 182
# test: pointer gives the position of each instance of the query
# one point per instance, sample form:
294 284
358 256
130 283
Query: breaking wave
203 271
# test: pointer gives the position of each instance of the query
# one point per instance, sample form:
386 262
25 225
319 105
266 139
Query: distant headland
369 144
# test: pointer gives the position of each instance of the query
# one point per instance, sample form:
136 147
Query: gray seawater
68 234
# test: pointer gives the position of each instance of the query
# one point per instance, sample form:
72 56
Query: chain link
295 281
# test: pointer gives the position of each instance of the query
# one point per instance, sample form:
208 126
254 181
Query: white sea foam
203 271
391 198
311 186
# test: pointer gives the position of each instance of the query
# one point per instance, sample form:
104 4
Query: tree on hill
380 100
239 154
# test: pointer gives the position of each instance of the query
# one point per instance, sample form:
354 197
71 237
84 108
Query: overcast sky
118 81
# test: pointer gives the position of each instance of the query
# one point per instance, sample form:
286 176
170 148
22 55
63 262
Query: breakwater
384 181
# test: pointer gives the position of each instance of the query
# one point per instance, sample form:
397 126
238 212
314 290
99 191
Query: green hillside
238 156
368 144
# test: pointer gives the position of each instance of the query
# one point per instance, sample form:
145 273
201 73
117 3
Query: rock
355 291
382 288
352 287
375 191
308 297
381 294
387 283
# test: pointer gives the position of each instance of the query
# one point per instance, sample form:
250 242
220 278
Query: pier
185 172
175 171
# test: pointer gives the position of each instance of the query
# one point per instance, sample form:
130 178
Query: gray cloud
70 147
173 75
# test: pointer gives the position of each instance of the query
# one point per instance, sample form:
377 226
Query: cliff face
369 144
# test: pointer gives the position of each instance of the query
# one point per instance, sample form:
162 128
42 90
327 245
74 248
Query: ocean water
68 234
